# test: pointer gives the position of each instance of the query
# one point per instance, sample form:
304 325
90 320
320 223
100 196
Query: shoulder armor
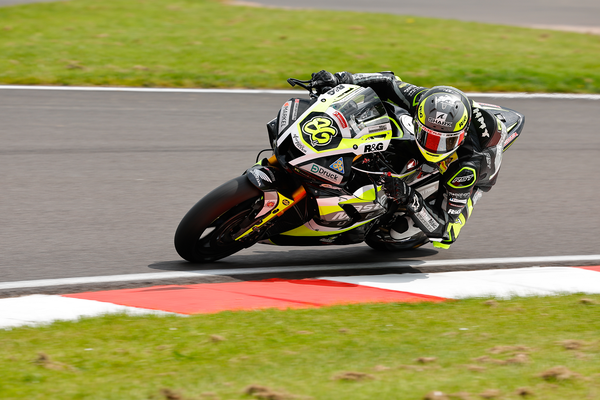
464 178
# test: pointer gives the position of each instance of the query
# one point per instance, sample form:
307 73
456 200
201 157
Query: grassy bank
205 43
545 348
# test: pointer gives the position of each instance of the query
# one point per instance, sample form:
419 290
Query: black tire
378 243
221 210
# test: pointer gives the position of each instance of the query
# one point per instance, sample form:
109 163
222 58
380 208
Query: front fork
265 176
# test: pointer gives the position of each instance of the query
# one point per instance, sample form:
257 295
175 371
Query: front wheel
207 232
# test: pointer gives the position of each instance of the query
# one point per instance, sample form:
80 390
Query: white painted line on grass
266 270
517 95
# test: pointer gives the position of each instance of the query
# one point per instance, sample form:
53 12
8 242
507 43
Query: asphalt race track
95 183
576 13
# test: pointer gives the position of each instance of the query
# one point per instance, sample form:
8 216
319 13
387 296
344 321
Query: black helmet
442 118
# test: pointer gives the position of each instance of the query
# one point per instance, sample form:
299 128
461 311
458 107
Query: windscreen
364 112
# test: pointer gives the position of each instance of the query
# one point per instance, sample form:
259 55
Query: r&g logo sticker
320 131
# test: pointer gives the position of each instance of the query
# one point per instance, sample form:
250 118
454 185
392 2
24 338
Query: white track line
149 90
562 96
558 96
266 270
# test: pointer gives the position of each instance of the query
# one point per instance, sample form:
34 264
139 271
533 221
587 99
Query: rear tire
377 242
205 232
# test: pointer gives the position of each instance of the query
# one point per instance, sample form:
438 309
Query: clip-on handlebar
314 87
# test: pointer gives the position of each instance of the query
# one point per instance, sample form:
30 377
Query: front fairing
341 124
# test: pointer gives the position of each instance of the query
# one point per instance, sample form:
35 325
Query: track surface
95 183
575 13
579 13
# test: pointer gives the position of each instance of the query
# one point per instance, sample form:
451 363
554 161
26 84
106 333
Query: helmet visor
437 142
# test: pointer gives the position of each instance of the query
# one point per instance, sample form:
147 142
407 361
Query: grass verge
206 43
539 347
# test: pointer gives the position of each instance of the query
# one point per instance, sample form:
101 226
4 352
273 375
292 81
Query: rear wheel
208 231
383 242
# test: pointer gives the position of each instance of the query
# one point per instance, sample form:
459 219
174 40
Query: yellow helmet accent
432 157
460 125
421 111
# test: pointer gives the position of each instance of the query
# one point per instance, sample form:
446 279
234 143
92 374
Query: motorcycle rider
453 134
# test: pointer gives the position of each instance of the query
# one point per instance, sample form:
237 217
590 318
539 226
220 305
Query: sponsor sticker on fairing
323 172
341 120
338 165
298 143
260 176
328 240
284 115
380 128
320 130
295 110
370 148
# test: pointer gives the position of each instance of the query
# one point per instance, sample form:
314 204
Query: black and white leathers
465 175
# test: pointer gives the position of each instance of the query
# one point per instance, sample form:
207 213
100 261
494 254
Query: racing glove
324 80
396 189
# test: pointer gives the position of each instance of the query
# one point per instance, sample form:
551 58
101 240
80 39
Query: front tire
206 232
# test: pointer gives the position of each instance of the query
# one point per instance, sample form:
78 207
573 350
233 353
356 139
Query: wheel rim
218 240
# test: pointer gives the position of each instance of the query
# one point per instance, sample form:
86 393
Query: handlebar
303 84
310 85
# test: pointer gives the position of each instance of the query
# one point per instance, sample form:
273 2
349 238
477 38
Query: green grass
477 347
204 43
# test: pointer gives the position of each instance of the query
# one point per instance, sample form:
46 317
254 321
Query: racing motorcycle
322 185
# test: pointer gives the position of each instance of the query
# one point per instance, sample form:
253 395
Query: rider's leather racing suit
465 175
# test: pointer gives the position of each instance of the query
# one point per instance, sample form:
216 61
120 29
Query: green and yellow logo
320 131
